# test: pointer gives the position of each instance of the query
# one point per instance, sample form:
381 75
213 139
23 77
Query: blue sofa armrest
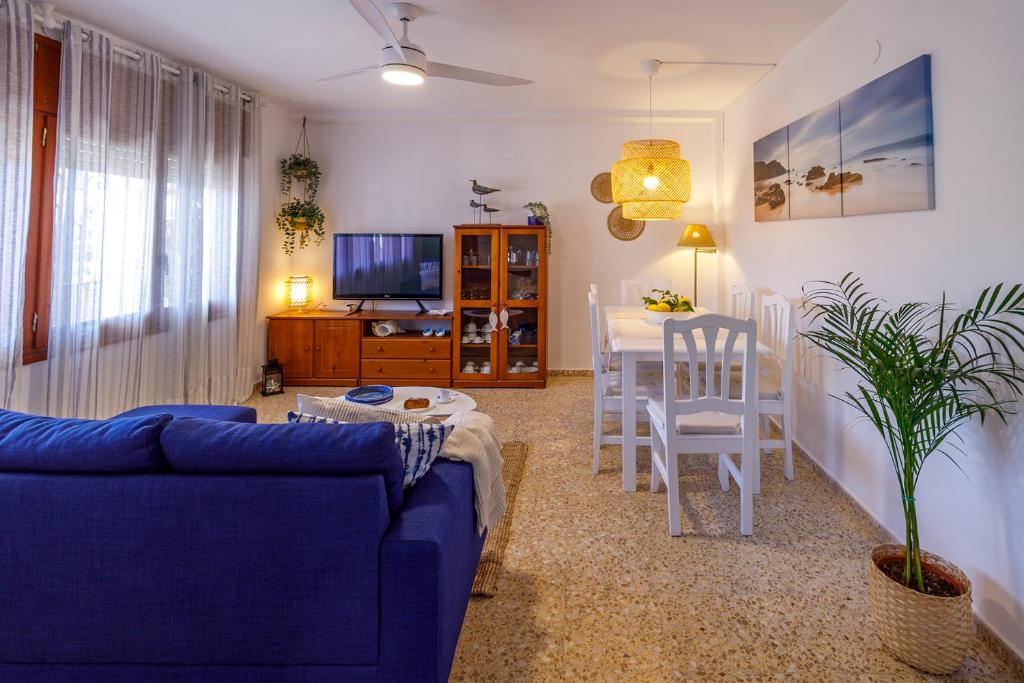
429 558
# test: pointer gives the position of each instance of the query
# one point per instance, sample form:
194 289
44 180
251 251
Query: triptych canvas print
869 152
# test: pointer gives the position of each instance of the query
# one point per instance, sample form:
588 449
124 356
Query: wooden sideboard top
322 314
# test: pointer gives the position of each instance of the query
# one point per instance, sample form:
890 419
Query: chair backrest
711 340
632 291
600 327
595 334
778 328
743 302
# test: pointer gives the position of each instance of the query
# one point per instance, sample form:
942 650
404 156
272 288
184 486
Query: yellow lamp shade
651 180
697 236
298 291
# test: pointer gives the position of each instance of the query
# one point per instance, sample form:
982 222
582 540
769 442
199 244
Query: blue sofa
160 548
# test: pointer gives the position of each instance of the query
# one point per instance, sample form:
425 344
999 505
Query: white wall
971 239
411 175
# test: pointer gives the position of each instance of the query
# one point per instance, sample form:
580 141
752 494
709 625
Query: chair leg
723 473
750 454
598 428
787 437
766 425
656 453
672 466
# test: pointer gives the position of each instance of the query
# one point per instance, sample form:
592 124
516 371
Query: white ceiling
582 54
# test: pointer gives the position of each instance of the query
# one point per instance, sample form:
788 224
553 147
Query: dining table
630 334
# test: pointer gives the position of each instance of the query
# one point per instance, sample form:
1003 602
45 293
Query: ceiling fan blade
372 15
346 74
461 73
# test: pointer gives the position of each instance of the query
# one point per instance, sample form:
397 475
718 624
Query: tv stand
338 348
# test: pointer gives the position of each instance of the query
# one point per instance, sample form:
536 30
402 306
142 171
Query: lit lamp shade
298 291
697 236
651 180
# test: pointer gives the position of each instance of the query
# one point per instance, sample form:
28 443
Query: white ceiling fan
403 62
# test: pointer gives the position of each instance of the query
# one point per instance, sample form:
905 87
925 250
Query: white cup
470 368
444 395
471 327
465 339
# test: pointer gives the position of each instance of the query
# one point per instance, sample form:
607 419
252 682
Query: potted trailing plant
299 167
300 220
539 216
924 371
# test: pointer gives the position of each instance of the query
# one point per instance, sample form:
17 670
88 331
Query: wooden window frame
39 247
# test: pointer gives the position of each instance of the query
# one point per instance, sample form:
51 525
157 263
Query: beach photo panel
771 177
888 154
815 165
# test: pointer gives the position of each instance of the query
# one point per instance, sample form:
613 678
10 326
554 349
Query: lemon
652 307
663 308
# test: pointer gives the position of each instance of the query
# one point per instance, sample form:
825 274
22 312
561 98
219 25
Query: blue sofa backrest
238 544
181 569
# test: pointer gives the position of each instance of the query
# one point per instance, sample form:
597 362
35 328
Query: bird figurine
476 205
489 210
481 190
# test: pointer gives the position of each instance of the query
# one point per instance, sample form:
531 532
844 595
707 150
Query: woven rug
492 557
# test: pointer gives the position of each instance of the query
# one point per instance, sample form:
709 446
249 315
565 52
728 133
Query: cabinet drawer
424 347
408 369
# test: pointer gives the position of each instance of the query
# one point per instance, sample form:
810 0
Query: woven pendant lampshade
651 181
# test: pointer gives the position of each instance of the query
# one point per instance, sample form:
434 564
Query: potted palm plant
924 371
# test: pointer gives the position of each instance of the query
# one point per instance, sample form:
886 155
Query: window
40 234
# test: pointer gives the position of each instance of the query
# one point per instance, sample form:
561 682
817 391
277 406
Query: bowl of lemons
662 305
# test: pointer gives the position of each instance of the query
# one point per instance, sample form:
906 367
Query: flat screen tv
388 266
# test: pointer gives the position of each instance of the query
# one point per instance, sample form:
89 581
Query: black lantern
273 378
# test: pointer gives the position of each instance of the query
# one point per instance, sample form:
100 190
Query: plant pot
928 632
300 173
533 220
300 224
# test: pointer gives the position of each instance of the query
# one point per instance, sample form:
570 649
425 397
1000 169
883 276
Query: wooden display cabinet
501 286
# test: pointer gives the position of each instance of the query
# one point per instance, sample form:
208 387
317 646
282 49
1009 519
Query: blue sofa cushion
33 443
224 413
200 446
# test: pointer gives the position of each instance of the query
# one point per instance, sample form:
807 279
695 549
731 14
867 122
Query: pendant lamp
651 181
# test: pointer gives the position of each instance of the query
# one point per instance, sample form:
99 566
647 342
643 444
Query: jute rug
492 558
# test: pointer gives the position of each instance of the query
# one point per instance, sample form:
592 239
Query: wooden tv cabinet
335 348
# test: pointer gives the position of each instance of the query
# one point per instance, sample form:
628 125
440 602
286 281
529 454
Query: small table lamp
698 238
298 292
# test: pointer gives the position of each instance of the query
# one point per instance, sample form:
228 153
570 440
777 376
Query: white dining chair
608 389
742 302
775 380
631 292
705 417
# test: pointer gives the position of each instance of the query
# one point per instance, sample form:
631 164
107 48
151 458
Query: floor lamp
698 238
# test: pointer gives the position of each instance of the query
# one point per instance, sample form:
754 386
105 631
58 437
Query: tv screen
388 266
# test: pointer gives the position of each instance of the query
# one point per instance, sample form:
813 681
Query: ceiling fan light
402 74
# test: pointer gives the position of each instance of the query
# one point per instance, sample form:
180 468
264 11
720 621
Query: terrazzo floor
595 589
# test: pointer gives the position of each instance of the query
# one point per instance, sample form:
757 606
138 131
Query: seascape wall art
869 152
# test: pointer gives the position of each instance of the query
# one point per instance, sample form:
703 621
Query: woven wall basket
930 633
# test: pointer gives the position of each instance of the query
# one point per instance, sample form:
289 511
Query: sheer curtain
155 234
15 180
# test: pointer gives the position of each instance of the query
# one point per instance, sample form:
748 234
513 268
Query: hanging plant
300 221
540 214
300 168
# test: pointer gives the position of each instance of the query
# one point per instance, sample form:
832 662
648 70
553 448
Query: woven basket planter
930 633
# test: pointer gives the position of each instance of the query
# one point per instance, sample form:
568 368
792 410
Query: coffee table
460 403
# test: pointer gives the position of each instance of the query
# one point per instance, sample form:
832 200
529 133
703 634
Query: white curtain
15 180
155 234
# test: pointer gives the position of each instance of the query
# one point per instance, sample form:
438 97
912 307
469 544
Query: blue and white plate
371 395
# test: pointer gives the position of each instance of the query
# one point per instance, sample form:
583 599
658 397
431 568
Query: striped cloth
419 444
341 410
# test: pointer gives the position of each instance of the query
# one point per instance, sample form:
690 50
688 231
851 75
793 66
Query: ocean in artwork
888 153
771 177
815 165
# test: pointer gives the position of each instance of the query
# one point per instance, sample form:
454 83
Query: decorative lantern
298 292
273 378
651 181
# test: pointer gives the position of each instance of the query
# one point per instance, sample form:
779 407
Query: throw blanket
475 440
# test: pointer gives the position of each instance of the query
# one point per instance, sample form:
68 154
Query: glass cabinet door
477 292
477 340
475 260
520 315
